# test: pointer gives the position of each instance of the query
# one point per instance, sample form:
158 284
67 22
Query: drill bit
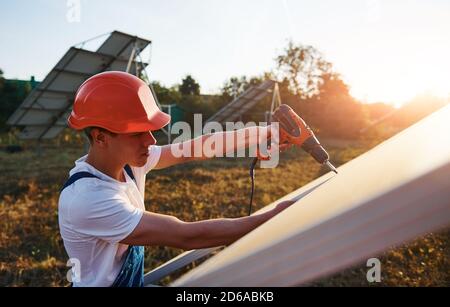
331 166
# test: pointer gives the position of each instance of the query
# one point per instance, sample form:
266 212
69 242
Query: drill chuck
313 147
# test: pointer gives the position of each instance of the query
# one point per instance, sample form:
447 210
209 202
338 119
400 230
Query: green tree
234 87
333 110
166 95
331 85
304 67
12 94
189 86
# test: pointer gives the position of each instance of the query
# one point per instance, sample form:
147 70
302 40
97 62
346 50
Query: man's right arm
164 230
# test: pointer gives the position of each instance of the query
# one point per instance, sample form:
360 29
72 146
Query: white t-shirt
96 214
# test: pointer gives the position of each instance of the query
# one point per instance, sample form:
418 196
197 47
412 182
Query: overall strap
131 273
77 176
80 175
129 172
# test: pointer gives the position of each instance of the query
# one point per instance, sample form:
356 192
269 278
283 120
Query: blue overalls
132 272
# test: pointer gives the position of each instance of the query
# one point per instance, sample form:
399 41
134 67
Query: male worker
102 216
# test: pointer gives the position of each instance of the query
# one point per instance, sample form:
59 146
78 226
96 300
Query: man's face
131 147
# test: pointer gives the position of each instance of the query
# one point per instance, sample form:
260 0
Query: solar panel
45 110
391 194
239 106
121 44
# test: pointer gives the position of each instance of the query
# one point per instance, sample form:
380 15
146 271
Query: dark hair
87 132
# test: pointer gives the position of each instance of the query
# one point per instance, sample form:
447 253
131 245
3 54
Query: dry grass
31 250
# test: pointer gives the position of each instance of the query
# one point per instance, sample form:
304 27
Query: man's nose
149 139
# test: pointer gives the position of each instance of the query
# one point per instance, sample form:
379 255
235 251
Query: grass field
32 253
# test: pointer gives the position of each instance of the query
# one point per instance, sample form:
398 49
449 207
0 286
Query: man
102 216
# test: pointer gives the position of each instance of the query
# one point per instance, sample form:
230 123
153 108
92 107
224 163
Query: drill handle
292 128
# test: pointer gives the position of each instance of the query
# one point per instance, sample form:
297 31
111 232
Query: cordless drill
294 130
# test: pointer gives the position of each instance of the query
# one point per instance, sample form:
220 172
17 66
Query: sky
385 50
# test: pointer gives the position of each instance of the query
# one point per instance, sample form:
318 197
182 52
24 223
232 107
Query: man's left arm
211 145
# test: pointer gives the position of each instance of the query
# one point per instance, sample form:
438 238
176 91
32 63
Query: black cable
252 173
252 176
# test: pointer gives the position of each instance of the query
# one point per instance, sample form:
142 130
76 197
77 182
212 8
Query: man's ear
99 137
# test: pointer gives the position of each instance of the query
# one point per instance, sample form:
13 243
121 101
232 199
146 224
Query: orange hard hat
118 102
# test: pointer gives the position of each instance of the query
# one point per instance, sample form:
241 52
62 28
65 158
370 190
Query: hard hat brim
158 121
